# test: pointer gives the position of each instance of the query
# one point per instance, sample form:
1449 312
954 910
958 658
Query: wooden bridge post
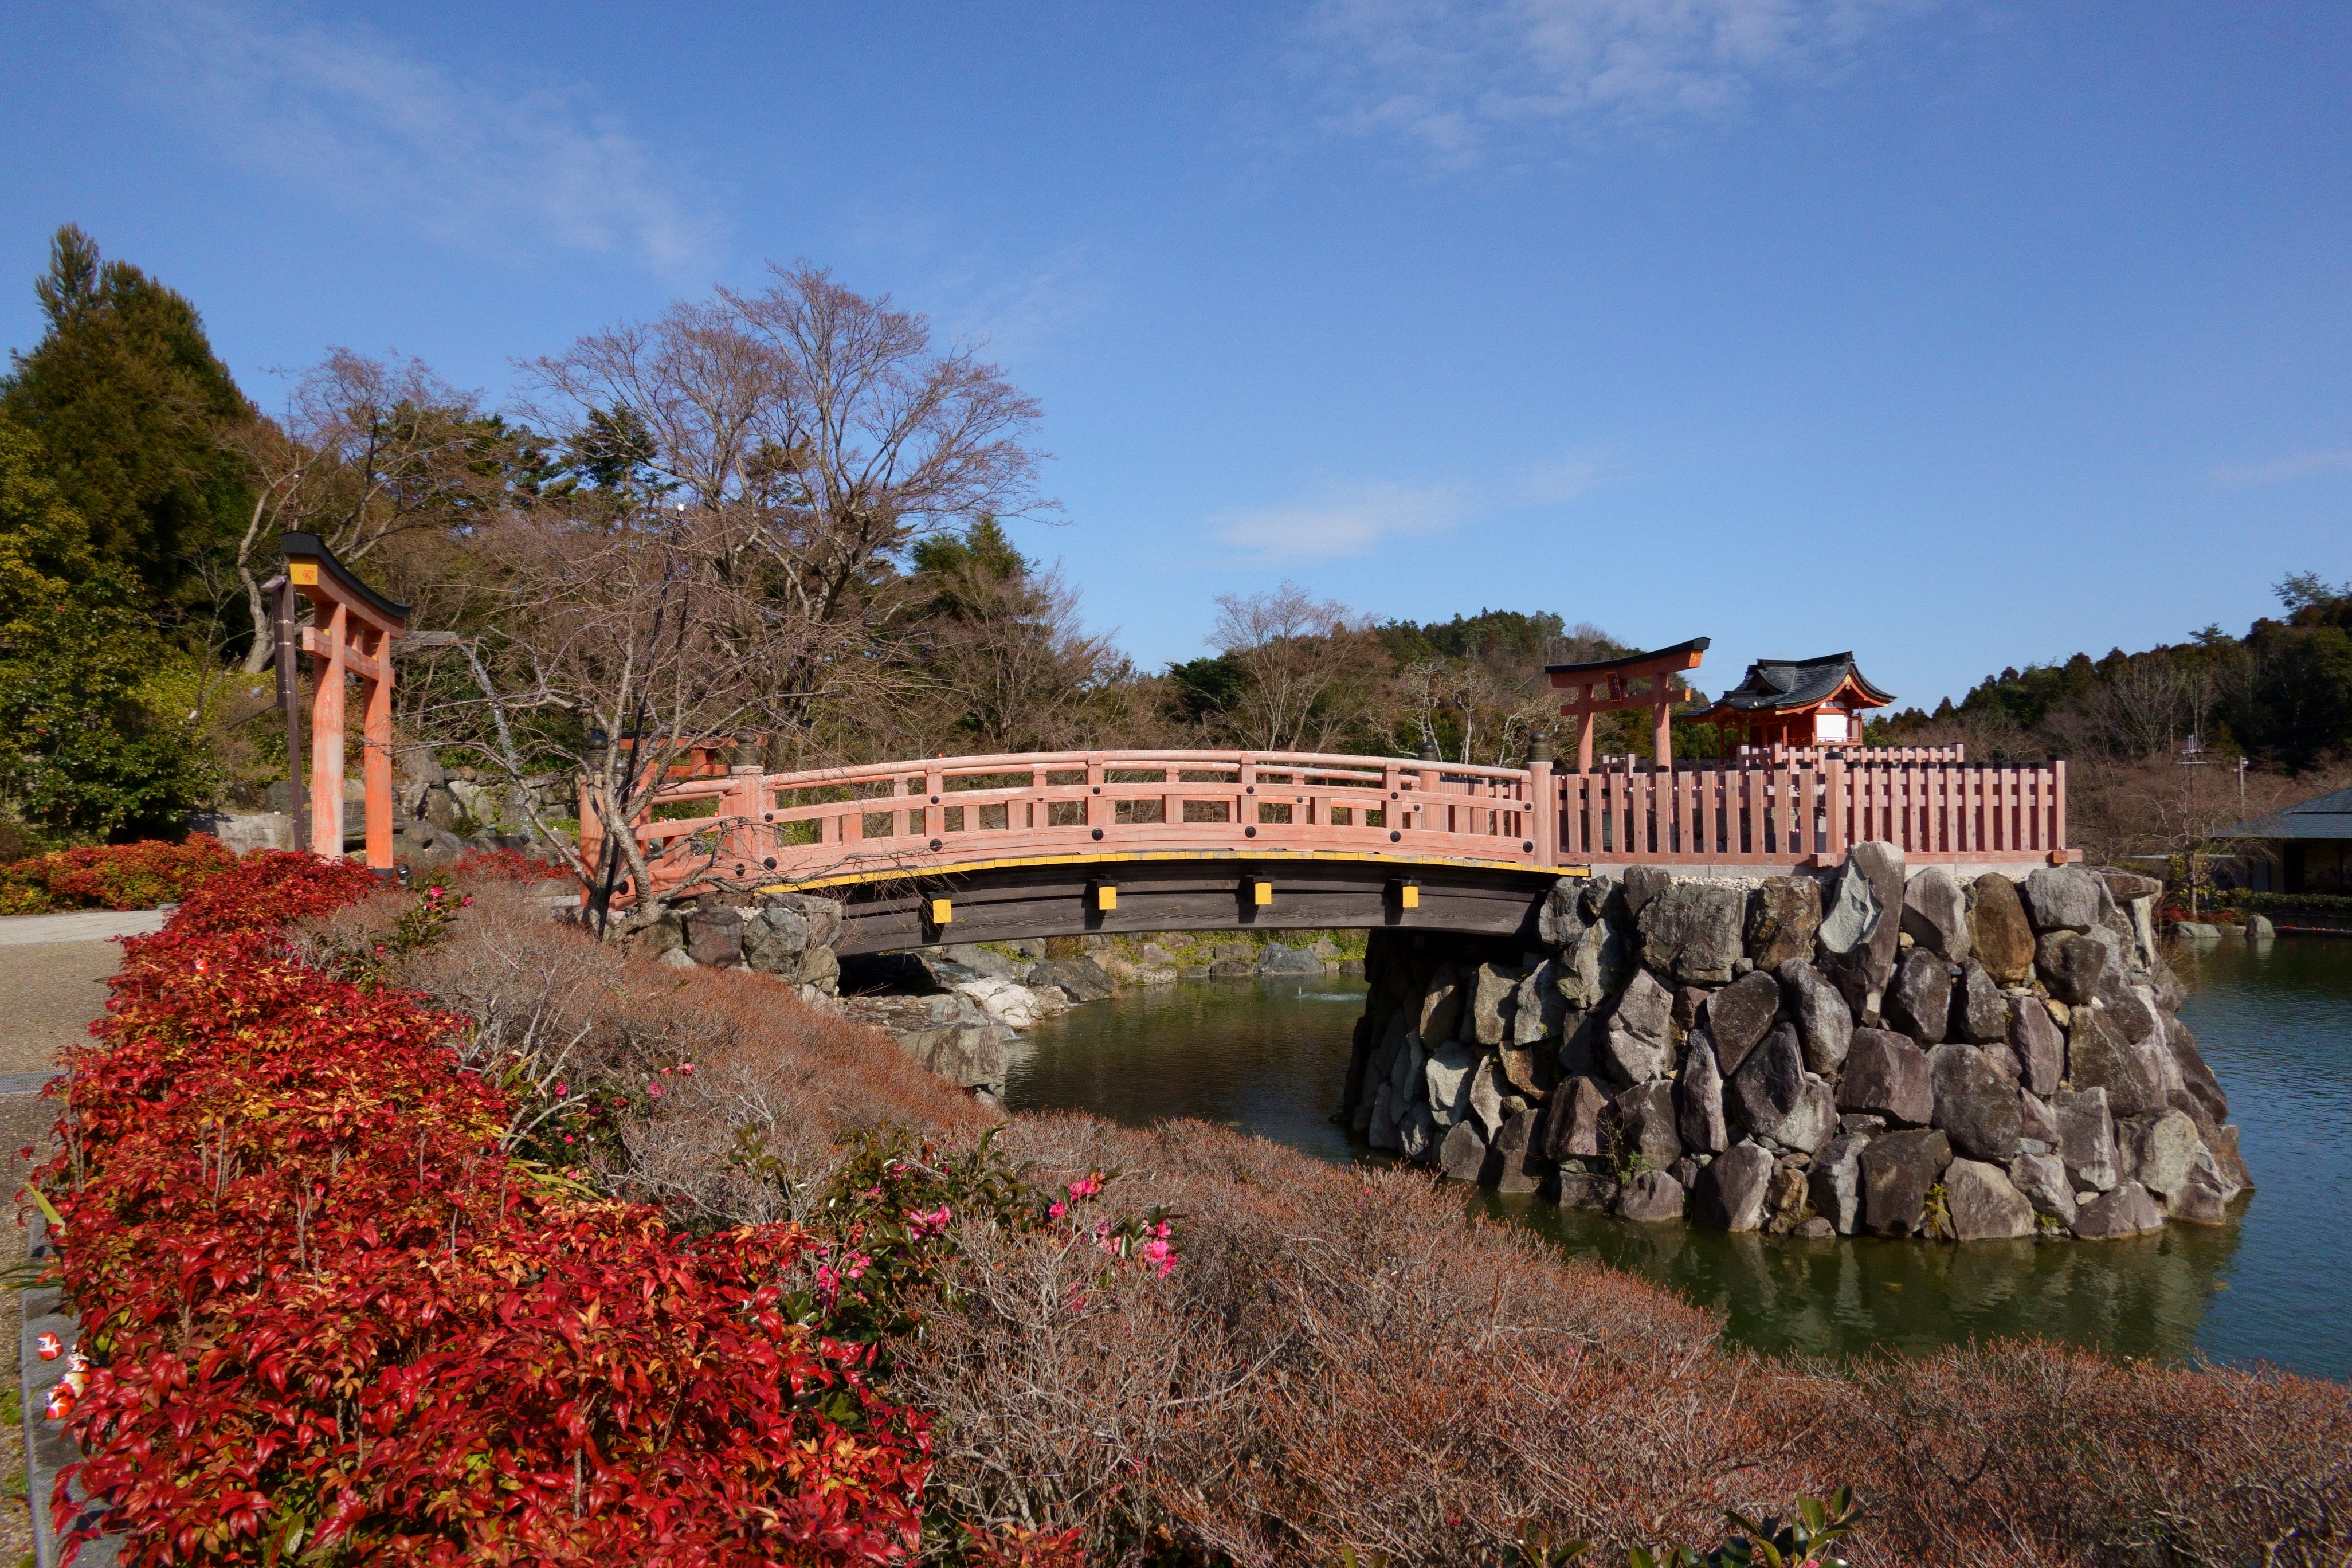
1544 814
1099 811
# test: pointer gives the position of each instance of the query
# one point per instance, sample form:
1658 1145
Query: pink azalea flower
1057 1210
654 1090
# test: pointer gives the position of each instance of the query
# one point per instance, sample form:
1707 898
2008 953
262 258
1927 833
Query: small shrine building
1795 702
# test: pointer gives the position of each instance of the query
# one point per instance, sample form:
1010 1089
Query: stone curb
48 1448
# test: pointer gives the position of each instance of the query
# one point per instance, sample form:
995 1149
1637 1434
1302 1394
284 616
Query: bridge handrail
1800 809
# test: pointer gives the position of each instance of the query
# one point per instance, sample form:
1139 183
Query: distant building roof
2322 816
1787 685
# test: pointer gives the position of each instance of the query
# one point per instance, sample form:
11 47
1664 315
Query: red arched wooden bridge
991 847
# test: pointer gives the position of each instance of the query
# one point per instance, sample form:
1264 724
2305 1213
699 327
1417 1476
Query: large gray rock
2161 1152
985 961
1516 1166
1635 1043
2099 1057
1641 884
1408 1073
2062 898
2086 1139
1850 911
1769 1086
1740 1015
2195 1076
715 937
1494 994
2205 1200
773 940
1824 1023
1936 914
1441 1008
1837 1182
1573 1121
2076 968
1081 979
1814 1120
1592 1190
1279 958
1983 1203
1979 1011
1974 1104
1886 1075
823 915
2042 1179
1418 1134
1897 1170
1486 1098
969 1056
1561 920
1646 1124
1700 1100
1999 933
1919 1001
1731 1190
1538 1011
1384 1132
1462 1153
1651 1198
1590 970
2035 1119
1783 916
2126 1211
2040 1049
1692 932
1445 1077
1881 864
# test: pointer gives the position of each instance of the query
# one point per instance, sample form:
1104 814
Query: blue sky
1960 335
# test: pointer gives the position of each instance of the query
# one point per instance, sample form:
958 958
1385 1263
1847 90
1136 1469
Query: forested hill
2281 694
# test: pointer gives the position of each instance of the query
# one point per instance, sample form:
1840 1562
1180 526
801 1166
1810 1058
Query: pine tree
128 403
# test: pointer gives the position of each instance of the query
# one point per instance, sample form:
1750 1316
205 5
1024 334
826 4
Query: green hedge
2240 898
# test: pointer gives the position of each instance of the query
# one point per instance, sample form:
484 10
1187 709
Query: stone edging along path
1864 1052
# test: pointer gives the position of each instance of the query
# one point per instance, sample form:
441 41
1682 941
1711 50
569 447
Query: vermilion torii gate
352 632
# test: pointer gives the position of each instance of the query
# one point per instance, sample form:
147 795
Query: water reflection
1269 1056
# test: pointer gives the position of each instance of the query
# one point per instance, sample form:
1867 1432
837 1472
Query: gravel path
53 970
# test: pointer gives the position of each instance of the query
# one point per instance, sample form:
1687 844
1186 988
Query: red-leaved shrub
112 875
331 1318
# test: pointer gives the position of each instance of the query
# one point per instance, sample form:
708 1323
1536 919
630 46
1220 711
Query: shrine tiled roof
1772 685
2322 816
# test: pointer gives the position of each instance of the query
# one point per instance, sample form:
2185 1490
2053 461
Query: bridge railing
912 816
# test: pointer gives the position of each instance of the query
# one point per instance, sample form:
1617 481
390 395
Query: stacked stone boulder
1879 1050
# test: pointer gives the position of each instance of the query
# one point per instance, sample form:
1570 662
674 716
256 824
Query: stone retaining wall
1858 1052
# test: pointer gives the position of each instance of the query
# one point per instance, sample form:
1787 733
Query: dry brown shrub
2030 1453
1340 1359
550 1006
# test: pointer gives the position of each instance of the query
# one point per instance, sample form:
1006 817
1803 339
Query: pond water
1269 1057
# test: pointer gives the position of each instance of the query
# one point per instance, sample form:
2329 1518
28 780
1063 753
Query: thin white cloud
1023 311
335 108
2302 465
1462 77
1356 519
1344 520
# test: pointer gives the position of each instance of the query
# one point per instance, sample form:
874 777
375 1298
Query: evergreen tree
80 755
129 402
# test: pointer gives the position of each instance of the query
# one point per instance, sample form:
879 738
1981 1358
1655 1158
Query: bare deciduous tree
824 424
366 448
638 631
1309 665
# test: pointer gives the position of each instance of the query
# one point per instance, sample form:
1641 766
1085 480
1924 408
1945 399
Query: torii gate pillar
351 633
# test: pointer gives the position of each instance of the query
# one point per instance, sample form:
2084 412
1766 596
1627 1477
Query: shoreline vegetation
668 1208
